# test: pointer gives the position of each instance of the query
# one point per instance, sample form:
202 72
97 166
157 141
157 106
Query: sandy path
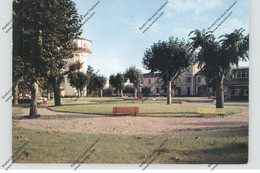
74 122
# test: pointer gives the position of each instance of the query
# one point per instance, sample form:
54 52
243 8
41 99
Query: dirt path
75 122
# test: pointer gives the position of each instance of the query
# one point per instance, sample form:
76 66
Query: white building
84 49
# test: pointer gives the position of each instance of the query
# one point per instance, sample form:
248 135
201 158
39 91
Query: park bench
134 110
176 102
138 101
219 111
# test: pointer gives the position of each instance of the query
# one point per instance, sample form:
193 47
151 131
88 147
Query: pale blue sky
118 43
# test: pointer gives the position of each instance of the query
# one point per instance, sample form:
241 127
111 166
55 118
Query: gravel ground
100 124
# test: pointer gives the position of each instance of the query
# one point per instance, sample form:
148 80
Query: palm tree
217 57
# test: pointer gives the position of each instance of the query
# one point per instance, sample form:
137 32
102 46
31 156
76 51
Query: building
238 84
191 83
80 54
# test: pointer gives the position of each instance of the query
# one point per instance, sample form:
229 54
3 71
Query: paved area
100 124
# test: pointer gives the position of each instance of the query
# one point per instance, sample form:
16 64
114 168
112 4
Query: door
188 91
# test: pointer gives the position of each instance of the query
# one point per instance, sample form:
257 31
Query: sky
118 38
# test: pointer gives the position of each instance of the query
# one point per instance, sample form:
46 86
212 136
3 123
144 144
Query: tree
118 81
43 38
170 58
97 82
101 82
78 80
135 77
216 57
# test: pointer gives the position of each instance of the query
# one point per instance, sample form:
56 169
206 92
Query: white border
254 108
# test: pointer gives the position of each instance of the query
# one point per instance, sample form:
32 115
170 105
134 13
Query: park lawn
87 99
236 103
229 146
147 109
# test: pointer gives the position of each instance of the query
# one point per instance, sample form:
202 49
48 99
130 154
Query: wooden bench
176 102
219 111
134 110
138 101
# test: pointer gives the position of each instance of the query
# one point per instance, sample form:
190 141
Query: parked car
27 99
42 99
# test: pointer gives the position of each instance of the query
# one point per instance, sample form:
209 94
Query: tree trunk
220 93
78 93
122 93
101 92
34 99
135 92
117 93
15 93
139 93
169 92
56 88
48 93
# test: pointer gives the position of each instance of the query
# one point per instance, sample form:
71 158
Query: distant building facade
238 86
191 83
83 50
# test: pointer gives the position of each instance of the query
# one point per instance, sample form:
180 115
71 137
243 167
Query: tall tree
118 81
216 57
45 30
101 82
135 77
78 80
170 58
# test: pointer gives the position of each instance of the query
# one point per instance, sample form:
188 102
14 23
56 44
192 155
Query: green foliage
43 37
217 57
117 81
170 58
134 75
97 82
78 80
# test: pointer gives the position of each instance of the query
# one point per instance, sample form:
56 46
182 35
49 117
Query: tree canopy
217 57
170 58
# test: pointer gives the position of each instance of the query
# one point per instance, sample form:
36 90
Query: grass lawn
147 109
16 109
204 147
236 104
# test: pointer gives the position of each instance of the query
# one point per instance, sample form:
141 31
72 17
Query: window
157 90
158 81
238 90
188 80
149 81
246 92
233 91
239 74
242 74
199 79
199 90
245 74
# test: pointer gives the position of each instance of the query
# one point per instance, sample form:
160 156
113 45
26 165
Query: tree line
42 41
